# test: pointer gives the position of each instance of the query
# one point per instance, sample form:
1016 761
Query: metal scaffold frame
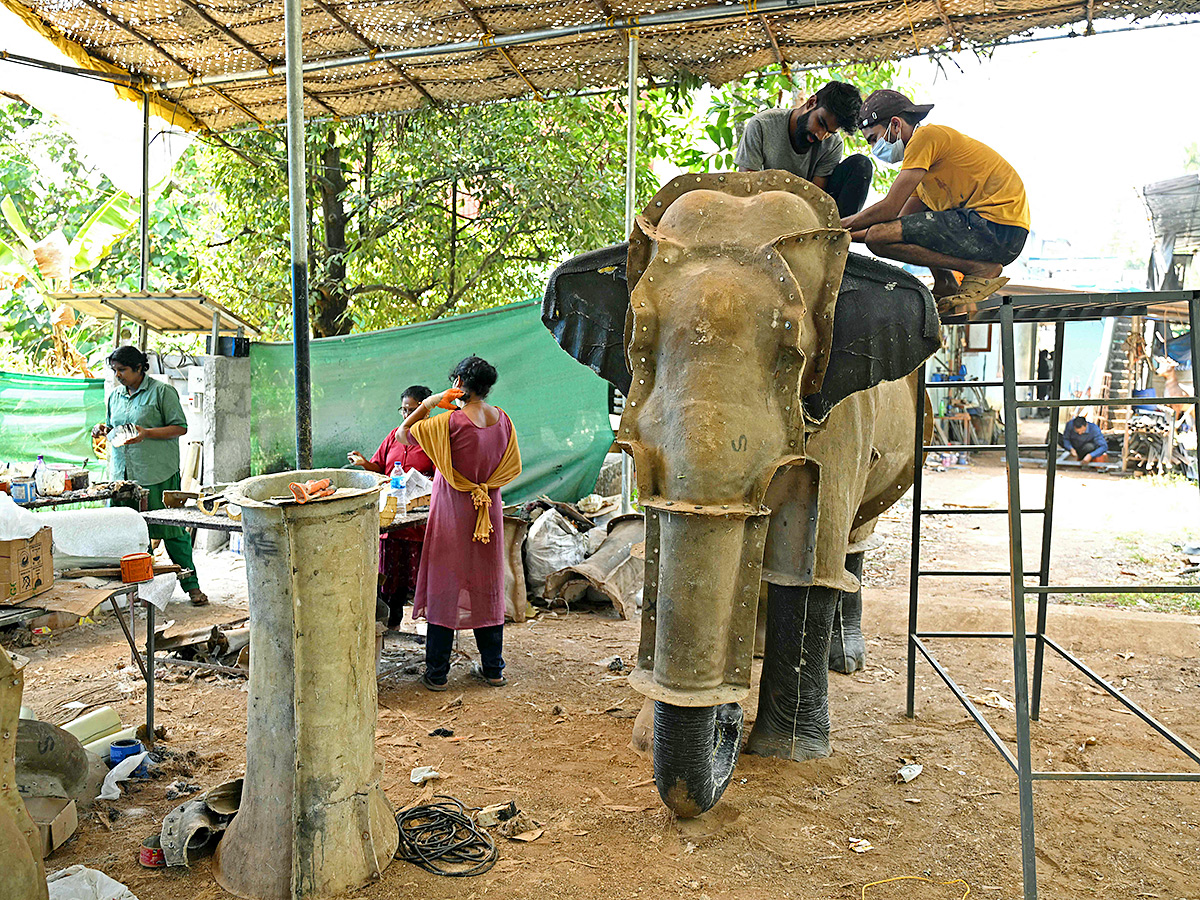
1056 309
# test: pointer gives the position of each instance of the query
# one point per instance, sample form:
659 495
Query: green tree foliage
418 216
1191 157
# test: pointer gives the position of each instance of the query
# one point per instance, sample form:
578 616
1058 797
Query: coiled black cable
441 838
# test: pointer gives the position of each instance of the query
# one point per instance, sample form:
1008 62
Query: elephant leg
793 697
848 649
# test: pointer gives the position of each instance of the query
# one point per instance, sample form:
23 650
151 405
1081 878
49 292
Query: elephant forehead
713 292
713 217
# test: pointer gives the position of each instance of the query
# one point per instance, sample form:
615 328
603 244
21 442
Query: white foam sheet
158 590
82 883
17 523
96 537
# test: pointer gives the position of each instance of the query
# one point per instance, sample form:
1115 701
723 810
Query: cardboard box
26 567
55 818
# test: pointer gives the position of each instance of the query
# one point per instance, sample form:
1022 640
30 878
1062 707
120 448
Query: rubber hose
695 751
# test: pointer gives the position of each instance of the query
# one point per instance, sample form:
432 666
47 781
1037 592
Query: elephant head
735 277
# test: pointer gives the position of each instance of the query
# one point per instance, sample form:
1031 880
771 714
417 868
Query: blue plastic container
118 750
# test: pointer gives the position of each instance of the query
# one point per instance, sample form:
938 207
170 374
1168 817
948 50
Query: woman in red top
399 551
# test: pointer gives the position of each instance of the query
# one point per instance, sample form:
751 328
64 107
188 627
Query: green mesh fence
559 408
48 416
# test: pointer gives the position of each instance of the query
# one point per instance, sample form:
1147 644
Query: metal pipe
1017 587
149 676
630 201
215 350
914 562
1106 401
1193 319
144 269
293 37
1039 648
117 330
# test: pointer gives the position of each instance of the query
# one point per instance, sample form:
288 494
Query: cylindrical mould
313 820
94 725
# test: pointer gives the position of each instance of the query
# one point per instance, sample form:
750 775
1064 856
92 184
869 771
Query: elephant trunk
695 751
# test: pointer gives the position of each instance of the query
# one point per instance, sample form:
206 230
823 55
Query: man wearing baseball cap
804 141
956 206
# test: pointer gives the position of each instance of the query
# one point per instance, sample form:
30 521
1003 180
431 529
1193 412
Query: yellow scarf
433 434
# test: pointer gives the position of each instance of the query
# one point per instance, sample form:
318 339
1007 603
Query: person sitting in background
1084 441
461 582
151 456
400 550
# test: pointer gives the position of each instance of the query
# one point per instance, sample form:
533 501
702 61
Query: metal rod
117 330
206 666
978 512
216 335
969 706
970 573
1017 587
150 610
971 448
137 657
1193 319
914 561
1039 649
293 50
934 385
1125 701
630 212
1114 589
1116 776
1106 401
1006 635
144 231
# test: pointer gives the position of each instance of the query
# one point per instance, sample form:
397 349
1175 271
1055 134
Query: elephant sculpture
765 447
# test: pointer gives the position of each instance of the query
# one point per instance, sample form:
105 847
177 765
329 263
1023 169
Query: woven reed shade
177 40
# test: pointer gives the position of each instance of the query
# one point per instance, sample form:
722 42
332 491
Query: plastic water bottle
397 476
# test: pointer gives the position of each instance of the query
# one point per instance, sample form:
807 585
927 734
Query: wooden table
105 490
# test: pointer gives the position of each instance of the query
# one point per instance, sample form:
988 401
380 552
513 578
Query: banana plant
112 220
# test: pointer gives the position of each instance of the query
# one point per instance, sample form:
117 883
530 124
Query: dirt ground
556 738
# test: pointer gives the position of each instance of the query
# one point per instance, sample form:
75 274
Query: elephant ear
819 307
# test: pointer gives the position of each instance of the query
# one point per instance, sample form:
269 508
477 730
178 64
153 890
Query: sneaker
433 685
477 672
198 597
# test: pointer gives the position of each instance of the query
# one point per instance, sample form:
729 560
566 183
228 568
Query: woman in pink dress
461 580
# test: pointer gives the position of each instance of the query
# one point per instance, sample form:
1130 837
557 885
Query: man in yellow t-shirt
956 206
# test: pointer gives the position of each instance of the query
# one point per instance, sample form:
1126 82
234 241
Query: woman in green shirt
151 456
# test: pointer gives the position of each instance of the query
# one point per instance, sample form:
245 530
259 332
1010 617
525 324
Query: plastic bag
16 523
552 544
82 883
416 486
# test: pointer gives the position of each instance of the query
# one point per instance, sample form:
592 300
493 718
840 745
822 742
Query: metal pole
914 565
1193 319
1017 580
216 335
149 675
117 321
1039 647
630 201
293 49
144 274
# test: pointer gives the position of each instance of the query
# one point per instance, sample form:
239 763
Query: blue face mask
888 151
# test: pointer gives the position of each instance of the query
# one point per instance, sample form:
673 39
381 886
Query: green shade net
48 416
559 408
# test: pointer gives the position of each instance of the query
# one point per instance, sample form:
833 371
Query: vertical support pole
914 562
144 265
1193 321
630 212
216 335
118 321
1017 579
293 32
149 676
1039 647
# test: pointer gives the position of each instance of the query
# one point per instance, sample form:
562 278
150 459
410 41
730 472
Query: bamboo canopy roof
218 64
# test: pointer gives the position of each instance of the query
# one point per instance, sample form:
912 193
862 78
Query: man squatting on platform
956 206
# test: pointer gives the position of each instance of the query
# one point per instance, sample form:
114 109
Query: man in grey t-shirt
805 142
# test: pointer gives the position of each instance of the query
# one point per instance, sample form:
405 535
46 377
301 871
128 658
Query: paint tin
151 855
137 567
23 490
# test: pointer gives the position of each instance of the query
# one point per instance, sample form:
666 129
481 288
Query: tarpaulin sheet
559 408
48 416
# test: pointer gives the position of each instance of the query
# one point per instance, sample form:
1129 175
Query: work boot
198 597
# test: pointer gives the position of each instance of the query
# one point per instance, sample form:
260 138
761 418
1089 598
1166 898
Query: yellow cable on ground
966 893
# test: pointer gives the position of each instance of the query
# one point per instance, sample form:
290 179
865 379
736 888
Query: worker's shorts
964 234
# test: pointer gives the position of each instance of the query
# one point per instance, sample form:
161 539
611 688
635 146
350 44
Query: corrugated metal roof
469 51
173 312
